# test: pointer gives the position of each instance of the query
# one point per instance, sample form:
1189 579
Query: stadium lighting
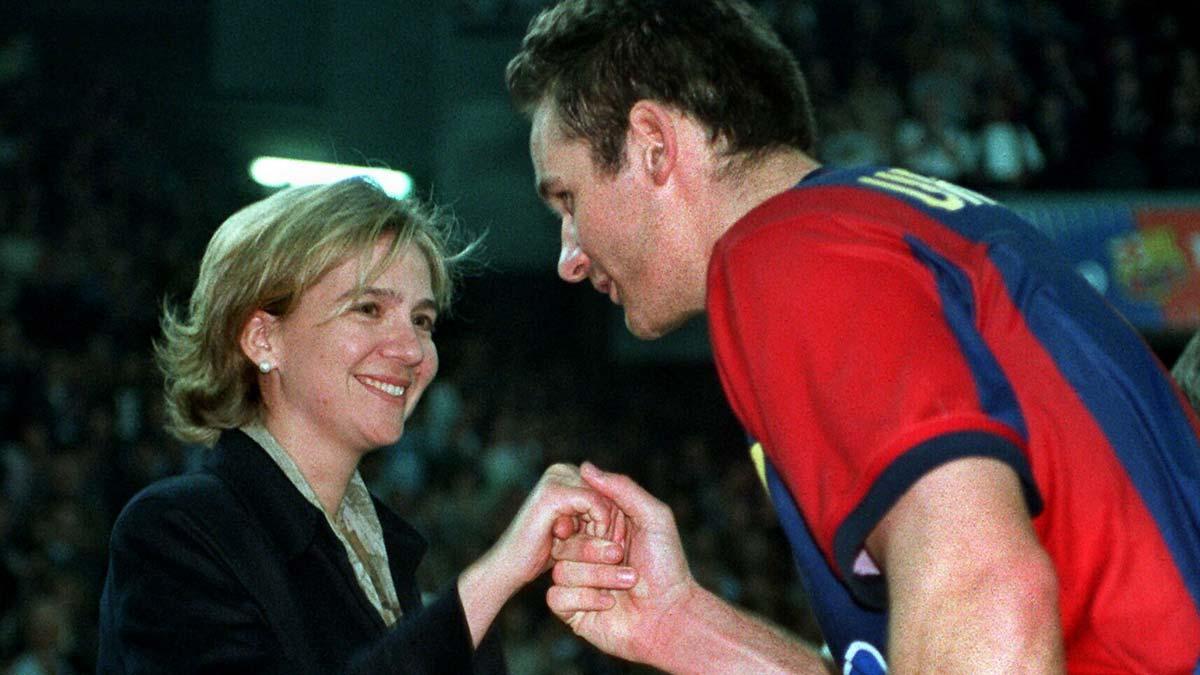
281 172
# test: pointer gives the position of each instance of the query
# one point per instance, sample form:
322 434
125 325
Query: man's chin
645 329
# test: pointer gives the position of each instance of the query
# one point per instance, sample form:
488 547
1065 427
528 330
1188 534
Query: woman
308 341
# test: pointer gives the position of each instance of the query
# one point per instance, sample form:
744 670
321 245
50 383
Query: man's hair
266 256
717 61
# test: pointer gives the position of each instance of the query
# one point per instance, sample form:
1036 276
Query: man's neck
756 183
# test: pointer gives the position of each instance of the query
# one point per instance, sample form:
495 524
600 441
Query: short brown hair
717 61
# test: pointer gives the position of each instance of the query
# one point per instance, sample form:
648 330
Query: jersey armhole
902 474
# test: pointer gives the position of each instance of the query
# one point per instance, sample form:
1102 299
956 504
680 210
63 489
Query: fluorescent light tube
280 172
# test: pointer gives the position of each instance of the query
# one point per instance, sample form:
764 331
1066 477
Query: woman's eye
367 308
425 323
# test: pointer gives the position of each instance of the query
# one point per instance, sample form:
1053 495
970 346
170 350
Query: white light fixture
281 172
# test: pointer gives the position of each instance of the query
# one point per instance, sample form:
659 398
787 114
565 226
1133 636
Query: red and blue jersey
870 325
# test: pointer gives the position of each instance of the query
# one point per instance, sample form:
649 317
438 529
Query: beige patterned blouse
356 525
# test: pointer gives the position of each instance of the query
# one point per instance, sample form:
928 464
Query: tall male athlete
979 465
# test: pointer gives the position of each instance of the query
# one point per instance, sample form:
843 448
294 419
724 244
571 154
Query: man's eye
425 323
566 202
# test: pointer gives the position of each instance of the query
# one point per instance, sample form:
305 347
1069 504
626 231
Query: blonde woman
307 343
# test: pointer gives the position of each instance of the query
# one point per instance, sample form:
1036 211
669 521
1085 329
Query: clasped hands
620 576
617 577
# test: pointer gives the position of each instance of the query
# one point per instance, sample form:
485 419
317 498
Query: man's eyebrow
545 186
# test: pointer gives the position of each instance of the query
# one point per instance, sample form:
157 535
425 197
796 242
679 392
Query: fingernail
612 552
627 575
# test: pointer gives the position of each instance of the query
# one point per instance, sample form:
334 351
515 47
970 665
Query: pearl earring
264 367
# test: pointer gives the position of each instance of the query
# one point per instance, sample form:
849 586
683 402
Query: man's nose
573 263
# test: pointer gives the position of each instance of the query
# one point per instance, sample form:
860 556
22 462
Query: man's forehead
547 126
545 136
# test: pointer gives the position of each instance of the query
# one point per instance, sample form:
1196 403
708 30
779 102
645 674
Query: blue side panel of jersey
1100 355
843 621
958 307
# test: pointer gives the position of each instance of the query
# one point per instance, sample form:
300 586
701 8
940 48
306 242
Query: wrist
483 591
668 643
708 635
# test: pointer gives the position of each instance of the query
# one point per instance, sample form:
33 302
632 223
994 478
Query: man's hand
631 624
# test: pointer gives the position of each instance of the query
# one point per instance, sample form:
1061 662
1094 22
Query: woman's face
351 365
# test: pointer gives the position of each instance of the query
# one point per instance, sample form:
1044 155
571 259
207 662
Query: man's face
614 232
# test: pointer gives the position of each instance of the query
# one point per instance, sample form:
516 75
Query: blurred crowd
101 219
1004 93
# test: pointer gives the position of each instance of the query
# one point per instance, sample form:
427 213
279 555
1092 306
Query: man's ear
257 338
653 139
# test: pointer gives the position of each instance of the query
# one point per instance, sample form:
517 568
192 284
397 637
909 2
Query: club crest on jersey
863 658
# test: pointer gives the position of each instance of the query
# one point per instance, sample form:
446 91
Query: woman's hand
560 506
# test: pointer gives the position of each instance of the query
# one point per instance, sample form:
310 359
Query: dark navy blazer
230 569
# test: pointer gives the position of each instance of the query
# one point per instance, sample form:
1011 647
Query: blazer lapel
288 523
405 548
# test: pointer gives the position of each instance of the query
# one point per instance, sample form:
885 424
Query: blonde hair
264 257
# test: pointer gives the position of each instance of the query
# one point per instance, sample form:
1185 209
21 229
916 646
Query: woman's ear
257 340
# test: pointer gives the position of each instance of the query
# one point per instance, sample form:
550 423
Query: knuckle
560 574
560 469
662 512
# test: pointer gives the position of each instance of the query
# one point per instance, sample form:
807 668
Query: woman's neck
328 470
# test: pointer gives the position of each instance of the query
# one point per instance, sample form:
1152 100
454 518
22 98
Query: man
979 466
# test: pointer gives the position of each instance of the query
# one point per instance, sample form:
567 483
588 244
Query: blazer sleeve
435 640
171 603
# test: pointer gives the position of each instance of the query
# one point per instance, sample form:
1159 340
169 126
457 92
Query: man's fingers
619 527
589 575
634 501
566 601
586 549
571 498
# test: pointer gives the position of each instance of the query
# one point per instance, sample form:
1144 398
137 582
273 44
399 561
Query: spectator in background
1009 154
1186 371
874 103
1179 142
844 142
941 71
1123 164
931 143
47 628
